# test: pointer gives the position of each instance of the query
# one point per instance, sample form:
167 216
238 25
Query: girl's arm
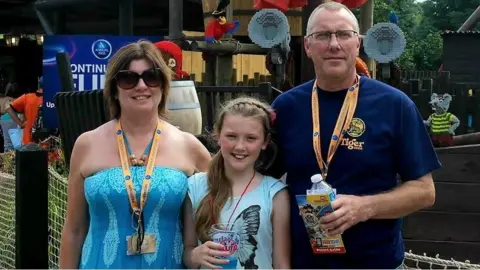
194 255
281 230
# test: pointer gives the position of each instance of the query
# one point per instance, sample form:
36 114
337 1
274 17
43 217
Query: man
28 105
384 137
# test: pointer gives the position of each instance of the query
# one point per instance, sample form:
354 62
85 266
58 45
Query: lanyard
126 169
241 196
341 127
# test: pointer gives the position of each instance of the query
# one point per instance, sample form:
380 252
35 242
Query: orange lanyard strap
127 176
341 127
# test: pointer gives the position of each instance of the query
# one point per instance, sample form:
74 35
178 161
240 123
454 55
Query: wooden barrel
243 11
184 107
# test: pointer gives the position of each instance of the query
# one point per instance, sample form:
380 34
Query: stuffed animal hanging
215 29
172 55
351 3
442 123
361 67
282 5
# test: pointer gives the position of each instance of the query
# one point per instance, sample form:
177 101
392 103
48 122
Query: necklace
238 202
133 160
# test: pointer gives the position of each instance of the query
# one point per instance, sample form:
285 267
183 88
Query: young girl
233 192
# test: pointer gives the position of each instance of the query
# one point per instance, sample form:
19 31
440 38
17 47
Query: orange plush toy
173 56
361 67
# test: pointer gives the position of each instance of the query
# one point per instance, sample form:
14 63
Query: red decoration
352 3
215 29
282 5
272 115
219 26
173 56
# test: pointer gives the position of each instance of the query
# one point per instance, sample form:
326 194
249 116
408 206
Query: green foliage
422 23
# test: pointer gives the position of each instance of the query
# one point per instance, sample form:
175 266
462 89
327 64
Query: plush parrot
173 56
216 28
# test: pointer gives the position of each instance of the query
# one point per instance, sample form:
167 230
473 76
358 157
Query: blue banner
88 55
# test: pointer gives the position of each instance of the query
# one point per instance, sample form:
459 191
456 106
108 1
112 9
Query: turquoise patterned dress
111 221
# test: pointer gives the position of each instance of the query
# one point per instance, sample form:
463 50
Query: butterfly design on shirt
246 225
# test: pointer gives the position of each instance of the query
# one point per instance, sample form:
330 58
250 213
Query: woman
106 226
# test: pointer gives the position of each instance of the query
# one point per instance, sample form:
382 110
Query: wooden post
224 66
366 22
125 17
31 208
228 47
307 69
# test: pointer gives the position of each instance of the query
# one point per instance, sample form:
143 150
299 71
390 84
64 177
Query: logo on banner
101 49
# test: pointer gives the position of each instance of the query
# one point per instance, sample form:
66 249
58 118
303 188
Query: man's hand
348 211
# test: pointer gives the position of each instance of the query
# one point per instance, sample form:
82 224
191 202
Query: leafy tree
421 24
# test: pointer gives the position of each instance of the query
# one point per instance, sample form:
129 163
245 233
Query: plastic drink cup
230 239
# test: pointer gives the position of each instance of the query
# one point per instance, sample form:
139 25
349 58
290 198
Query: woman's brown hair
219 188
121 61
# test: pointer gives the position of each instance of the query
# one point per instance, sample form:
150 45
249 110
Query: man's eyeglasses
341 35
127 79
137 241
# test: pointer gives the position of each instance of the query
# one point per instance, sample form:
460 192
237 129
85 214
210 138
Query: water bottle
319 186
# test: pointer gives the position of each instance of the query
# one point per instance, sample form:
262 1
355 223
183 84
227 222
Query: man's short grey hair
332 6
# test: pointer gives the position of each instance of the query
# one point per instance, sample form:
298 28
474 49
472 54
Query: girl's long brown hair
219 188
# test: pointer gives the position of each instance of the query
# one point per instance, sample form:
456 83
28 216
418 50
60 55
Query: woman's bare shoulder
95 135
89 143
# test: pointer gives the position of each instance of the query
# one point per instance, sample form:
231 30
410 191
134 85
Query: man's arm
17 106
409 197
415 159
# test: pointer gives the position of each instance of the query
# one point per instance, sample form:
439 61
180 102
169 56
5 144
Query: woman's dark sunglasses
127 79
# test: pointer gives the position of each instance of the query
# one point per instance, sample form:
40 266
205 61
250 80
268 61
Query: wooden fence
246 80
451 228
465 97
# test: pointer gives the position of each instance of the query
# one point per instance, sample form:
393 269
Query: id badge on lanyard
139 242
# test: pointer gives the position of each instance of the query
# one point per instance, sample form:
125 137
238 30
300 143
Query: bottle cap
316 178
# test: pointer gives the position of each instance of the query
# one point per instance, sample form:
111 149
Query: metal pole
44 22
471 21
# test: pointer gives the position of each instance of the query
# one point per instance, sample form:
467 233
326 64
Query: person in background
233 192
27 104
358 133
6 121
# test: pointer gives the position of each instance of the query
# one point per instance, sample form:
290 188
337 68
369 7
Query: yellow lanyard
341 127
122 151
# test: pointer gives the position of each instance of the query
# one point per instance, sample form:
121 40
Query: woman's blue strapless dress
105 245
